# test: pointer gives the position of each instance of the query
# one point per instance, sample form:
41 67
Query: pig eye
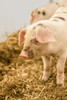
38 12
34 41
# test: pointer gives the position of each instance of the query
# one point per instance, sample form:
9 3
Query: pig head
35 42
46 12
43 13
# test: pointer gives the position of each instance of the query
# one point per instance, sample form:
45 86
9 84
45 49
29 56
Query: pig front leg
47 64
60 69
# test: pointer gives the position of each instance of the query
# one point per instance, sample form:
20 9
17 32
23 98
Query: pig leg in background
47 64
60 69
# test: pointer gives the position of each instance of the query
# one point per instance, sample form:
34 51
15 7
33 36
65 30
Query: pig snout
24 54
27 53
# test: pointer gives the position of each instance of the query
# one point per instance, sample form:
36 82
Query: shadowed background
14 14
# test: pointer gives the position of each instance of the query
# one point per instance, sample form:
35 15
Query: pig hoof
60 80
45 76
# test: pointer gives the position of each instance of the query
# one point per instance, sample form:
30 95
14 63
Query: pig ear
21 35
44 35
33 15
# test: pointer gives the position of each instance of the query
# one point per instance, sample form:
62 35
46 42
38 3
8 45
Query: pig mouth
31 54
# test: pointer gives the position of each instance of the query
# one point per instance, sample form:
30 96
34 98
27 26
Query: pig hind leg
47 64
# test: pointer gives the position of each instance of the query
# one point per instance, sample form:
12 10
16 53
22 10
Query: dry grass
20 80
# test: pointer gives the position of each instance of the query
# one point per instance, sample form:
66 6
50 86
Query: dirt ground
21 80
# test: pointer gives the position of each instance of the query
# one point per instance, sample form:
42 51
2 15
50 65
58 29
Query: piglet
47 38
